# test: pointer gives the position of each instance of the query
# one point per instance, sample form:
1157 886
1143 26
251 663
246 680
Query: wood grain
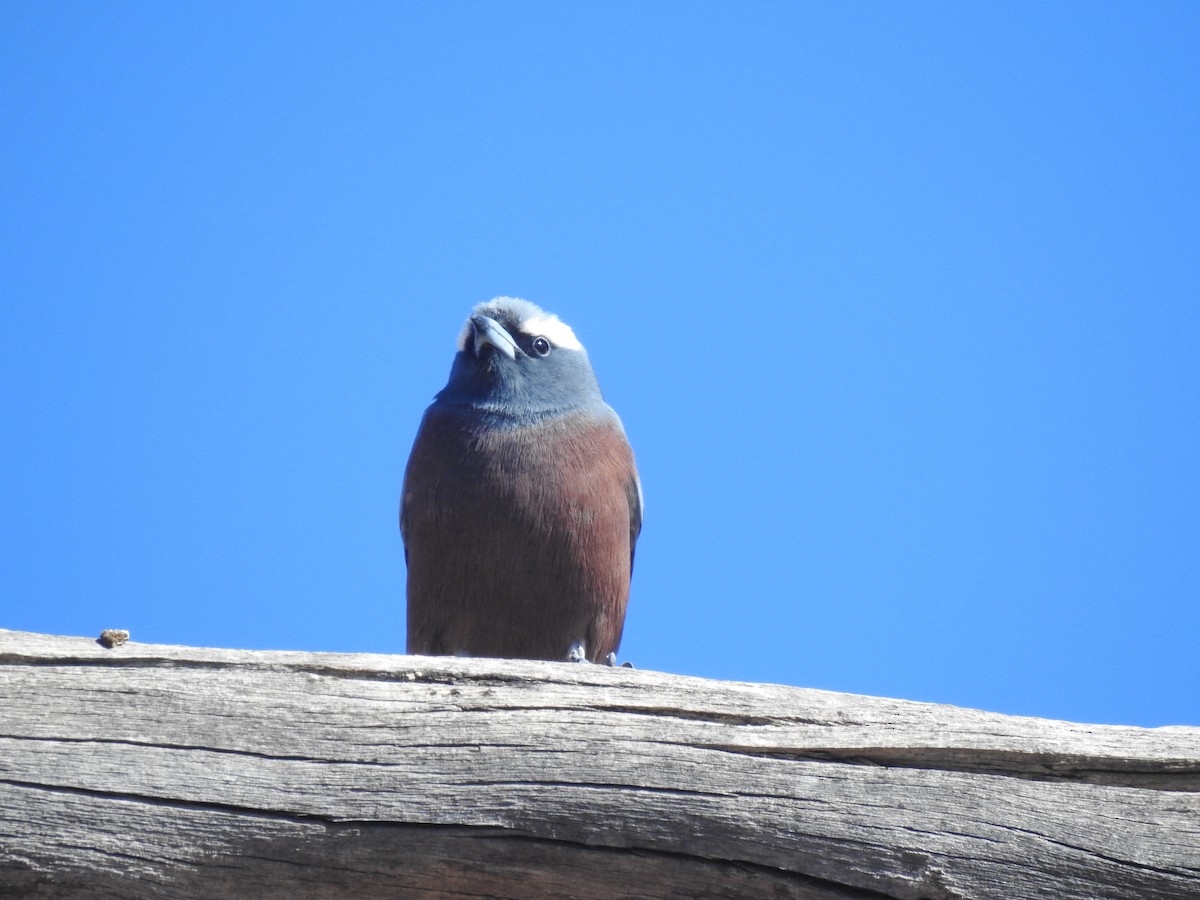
159 771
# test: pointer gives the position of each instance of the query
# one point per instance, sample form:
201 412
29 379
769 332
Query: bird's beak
489 331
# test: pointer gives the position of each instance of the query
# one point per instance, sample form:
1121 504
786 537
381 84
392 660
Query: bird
521 504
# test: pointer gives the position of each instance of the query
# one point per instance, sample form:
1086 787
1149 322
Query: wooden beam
160 771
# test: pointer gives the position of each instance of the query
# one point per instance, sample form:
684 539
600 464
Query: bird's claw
577 653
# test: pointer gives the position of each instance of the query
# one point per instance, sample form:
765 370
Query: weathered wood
164 772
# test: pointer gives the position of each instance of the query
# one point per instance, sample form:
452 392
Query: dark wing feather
633 490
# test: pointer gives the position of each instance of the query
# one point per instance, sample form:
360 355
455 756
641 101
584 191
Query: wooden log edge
139 770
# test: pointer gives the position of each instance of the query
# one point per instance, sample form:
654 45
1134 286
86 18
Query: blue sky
900 304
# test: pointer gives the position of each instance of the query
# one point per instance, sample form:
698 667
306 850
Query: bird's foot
577 652
611 662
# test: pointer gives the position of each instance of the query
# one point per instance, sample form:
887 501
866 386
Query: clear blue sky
900 304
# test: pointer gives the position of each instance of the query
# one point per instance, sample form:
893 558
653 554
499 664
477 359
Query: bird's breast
560 473
518 539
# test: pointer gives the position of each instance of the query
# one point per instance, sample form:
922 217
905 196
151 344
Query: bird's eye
541 346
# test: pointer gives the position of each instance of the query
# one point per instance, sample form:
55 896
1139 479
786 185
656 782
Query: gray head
516 360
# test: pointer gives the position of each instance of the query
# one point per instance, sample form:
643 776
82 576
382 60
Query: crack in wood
1088 852
201 748
256 812
695 715
1002 764
336 671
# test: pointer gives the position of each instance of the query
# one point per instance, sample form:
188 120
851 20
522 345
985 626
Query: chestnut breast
519 537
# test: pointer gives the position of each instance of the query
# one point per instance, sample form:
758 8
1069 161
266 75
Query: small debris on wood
113 637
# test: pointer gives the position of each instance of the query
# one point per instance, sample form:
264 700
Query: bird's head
517 361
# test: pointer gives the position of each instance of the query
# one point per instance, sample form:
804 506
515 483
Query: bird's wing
633 489
403 535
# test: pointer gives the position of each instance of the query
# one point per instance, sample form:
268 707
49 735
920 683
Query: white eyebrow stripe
555 330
